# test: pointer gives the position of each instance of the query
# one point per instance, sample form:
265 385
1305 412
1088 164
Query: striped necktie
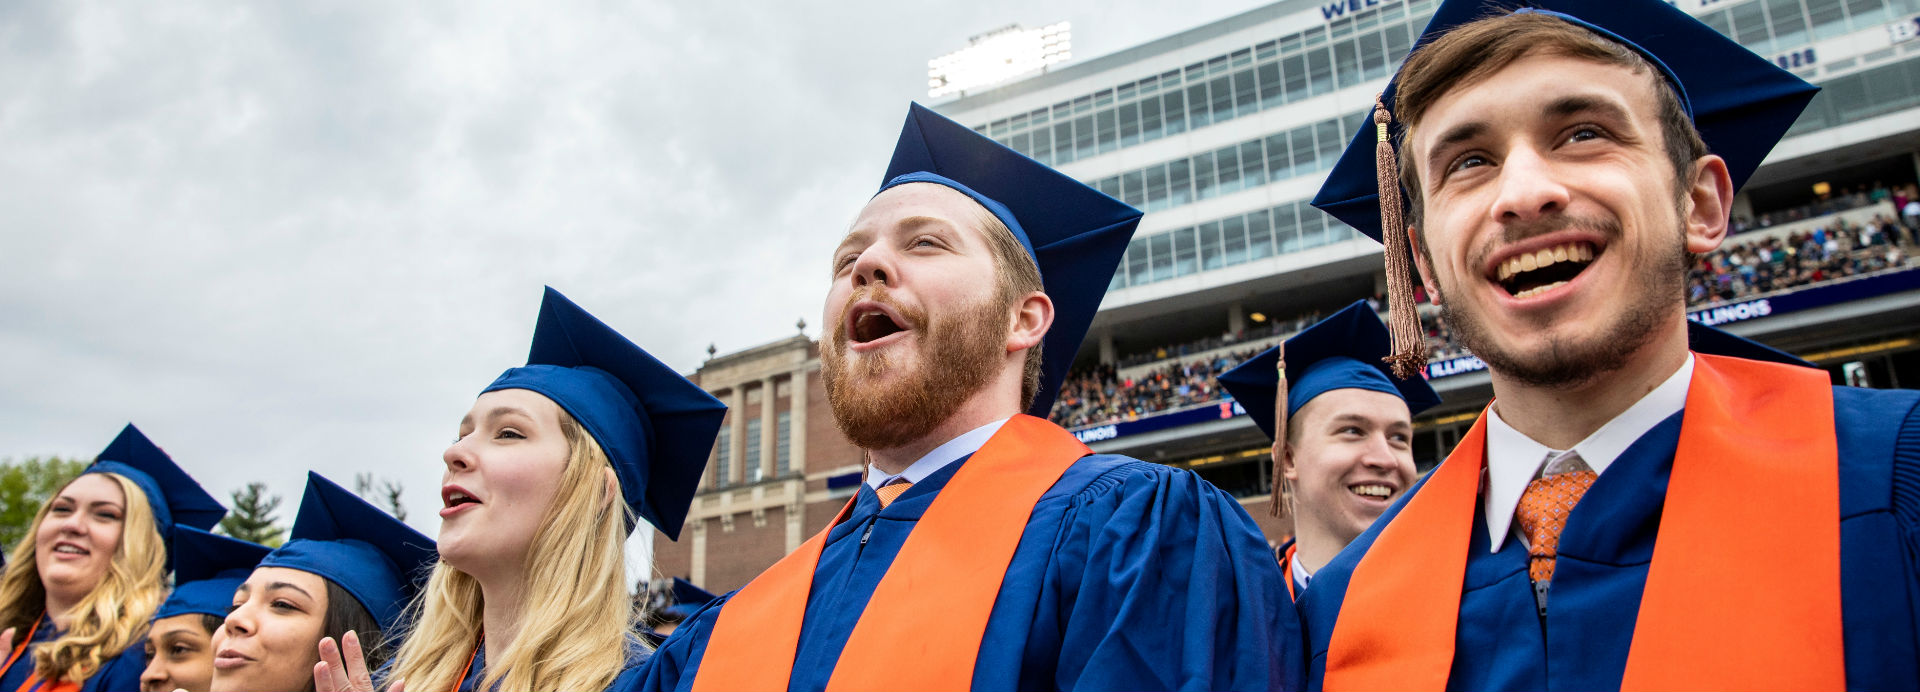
891 491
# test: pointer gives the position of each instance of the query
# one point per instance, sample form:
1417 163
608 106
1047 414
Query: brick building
778 472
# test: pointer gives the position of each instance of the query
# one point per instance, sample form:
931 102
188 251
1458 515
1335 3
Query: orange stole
35 683
1286 570
1757 467
960 550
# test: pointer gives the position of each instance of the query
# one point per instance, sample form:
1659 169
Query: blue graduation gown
119 672
1500 643
1129 575
637 654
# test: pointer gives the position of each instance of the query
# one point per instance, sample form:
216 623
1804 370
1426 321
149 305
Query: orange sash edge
961 550
1718 612
1286 569
35 683
764 618
1715 613
1384 639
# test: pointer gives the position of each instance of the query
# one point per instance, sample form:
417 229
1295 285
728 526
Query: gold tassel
1277 507
1409 355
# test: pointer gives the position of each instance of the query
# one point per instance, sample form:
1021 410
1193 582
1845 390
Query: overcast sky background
281 238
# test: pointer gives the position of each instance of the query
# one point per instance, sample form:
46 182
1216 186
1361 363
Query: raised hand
344 671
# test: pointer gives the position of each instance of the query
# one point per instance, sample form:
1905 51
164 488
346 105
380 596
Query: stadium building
1223 132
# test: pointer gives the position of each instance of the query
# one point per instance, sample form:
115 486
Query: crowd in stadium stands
1905 199
1737 270
1271 327
1100 395
1741 269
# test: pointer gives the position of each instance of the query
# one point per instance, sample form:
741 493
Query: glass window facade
754 472
1862 95
1345 52
723 456
1307 149
1222 243
1775 26
783 445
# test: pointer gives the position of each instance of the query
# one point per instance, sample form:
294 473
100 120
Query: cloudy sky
282 238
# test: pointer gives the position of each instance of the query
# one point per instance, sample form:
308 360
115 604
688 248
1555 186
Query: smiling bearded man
1645 504
989 549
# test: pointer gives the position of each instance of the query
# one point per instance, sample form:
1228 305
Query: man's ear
1420 264
1032 316
1707 204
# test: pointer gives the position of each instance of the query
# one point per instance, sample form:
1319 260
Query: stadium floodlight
997 56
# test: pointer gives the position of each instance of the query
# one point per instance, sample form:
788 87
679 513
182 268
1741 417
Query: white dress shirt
1300 574
967 443
1514 460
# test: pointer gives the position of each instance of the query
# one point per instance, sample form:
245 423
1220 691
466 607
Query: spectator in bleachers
1911 210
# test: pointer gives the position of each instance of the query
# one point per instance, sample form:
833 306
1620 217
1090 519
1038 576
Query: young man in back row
1627 513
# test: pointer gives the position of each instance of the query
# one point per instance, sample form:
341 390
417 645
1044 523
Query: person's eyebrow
1577 104
288 585
502 411
1451 138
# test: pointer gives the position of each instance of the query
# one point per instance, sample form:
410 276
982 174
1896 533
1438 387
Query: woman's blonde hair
109 618
570 637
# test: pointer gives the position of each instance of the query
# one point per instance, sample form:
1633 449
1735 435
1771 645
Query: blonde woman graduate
347 571
78 592
553 465
208 568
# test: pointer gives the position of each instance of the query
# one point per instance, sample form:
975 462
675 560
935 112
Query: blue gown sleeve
1168 584
1905 503
672 666
120 673
630 674
1906 484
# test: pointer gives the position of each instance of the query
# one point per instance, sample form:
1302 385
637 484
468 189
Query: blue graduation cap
1741 103
655 426
375 557
1340 352
1709 340
174 496
208 568
687 598
1074 233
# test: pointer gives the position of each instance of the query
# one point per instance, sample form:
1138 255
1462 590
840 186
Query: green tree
24 486
385 493
252 516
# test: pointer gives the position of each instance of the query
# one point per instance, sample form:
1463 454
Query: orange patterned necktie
1543 515
890 491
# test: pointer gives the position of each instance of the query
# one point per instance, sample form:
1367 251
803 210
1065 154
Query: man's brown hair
1016 275
1477 49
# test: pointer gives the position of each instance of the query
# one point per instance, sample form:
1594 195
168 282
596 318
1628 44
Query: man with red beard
1629 512
988 549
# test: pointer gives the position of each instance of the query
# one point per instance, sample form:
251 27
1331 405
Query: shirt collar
967 443
1514 460
1300 574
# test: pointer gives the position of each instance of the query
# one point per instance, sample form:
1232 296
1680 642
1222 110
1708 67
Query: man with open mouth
1627 513
988 549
